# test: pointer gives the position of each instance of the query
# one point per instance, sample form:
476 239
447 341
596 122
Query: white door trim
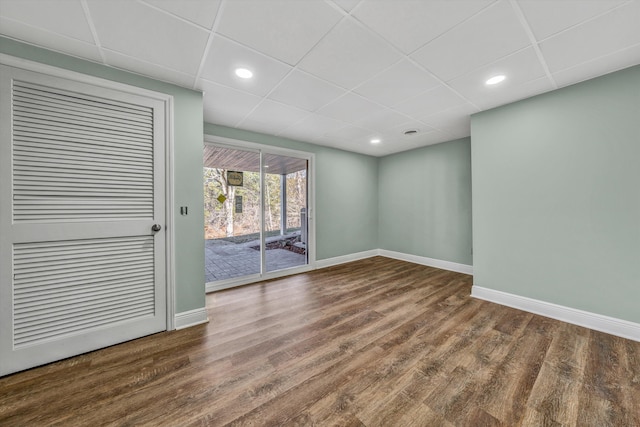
263 148
168 101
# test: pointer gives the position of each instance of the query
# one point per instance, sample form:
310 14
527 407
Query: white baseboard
598 322
191 318
346 258
431 262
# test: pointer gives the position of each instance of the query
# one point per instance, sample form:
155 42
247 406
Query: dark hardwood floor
377 342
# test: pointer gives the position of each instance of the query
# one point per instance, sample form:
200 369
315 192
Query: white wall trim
328 262
598 322
190 318
431 262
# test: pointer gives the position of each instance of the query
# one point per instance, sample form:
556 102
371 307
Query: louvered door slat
31 111
76 303
80 147
82 169
74 197
59 105
75 98
129 144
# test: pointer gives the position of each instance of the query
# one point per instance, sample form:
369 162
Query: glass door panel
285 207
256 214
232 213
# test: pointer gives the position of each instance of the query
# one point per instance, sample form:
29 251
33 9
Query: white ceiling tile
140 31
128 63
49 40
353 134
519 68
201 12
547 17
348 55
235 104
459 132
488 36
226 55
284 29
398 131
274 117
350 108
332 142
613 31
430 138
342 45
220 117
383 120
346 5
65 17
397 83
451 118
314 125
518 92
411 24
602 65
305 91
430 102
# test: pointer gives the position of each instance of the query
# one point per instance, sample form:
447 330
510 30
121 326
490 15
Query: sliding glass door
257 214
285 207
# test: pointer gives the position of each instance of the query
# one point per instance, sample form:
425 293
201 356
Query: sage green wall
425 202
189 248
556 196
346 193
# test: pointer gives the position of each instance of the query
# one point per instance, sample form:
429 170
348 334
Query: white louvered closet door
81 186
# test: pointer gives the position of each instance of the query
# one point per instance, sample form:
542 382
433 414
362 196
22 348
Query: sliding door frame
311 223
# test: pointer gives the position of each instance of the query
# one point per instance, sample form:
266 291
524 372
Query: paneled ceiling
343 72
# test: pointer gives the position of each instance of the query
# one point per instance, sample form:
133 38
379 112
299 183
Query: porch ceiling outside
249 161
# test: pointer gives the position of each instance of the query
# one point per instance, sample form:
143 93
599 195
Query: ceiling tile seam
532 39
403 56
128 70
345 124
173 15
596 59
337 7
92 28
338 22
207 47
593 18
294 67
464 21
340 9
154 65
266 97
301 71
411 60
44 31
478 109
67 53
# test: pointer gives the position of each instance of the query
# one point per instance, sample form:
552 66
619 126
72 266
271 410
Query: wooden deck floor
377 342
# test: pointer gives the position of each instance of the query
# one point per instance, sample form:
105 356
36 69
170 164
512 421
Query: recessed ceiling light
375 140
243 73
496 79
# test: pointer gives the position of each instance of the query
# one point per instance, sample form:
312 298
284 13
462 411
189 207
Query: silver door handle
156 227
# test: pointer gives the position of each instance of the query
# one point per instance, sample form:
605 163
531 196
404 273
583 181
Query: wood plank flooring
377 342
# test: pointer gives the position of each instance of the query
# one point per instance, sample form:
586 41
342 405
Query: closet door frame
168 101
